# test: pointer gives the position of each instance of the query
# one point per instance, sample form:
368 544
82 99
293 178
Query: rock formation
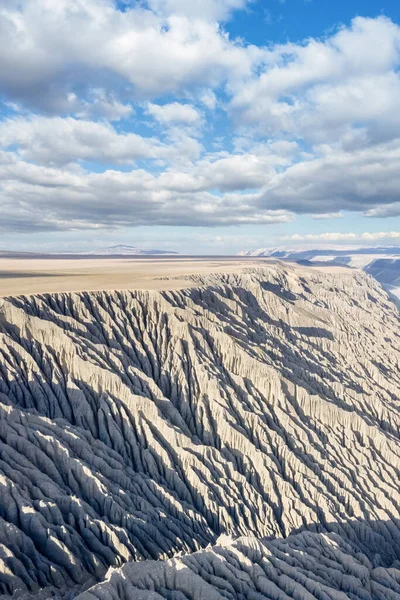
162 426
383 263
303 566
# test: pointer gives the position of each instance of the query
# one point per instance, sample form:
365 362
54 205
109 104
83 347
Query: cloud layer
155 115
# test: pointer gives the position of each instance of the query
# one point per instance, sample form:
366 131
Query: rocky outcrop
383 263
144 425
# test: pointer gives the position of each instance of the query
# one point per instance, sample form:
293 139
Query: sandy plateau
37 276
22 276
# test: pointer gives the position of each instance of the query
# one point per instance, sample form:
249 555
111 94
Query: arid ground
20 276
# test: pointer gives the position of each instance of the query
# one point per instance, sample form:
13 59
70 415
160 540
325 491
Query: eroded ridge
140 425
307 566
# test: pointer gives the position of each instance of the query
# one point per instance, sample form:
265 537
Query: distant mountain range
382 262
308 253
119 250
122 250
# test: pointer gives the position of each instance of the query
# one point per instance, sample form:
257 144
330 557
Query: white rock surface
145 425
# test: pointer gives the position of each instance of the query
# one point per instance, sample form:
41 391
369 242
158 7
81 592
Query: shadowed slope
136 425
305 566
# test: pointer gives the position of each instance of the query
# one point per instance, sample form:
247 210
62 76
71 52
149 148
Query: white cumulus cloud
155 115
174 112
48 49
205 9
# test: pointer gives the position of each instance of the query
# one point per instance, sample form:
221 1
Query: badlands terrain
381 262
186 435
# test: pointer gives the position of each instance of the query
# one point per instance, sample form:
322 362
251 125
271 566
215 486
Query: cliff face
142 425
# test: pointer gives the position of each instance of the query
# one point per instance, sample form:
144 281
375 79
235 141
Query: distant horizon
160 252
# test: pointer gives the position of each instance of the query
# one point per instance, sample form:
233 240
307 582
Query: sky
199 126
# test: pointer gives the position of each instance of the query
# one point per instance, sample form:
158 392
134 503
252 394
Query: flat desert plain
20 276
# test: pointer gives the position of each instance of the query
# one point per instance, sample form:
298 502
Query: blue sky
294 20
206 126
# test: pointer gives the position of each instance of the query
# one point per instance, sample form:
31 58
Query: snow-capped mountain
309 252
